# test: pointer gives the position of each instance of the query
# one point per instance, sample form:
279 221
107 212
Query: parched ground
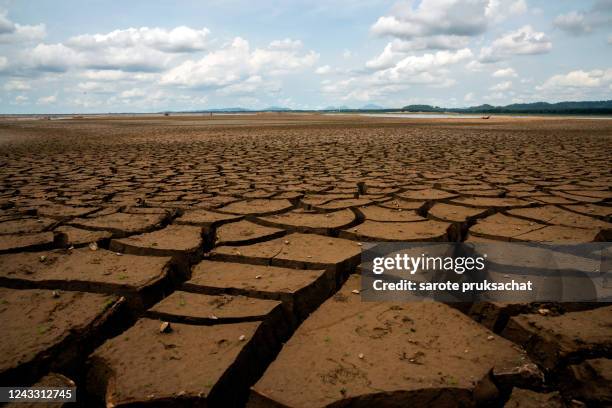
198 260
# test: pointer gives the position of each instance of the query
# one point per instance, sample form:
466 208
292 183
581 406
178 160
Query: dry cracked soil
212 260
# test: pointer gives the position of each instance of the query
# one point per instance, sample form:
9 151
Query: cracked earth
211 261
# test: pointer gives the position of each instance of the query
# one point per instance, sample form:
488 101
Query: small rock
361 356
42 258
165 327
118 253
93 246
214 317
56 293
258 277
490 338
242 337
544 312
286 242
355 291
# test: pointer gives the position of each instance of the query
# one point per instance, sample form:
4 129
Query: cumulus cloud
11 32
17 85
6 25
397 49
430 69
579 79
433 17
20 100
499 10
524 41
237 62
134 50
51 57
444 24
505 73
580 22
419 68
179 39
322 70
96 87
502 86
573 22
46 100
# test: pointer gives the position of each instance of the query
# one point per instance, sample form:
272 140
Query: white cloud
112 75
435 42
3 63
499 10
444 24
524 41
253 85
96 87
578 22
17 85
322 70
6 25
134 50
398 49
21 99
430 69
475 66
434 17
14 33
597 78
346 54
132 93
386 59
24 33
610 39
469 97
389 62
502 86
51 57
505 73
46 100
179 39
574 22
237 62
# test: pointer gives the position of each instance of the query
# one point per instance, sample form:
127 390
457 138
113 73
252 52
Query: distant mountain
589 107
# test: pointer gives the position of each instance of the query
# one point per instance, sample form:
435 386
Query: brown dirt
46 329
347 350
162 188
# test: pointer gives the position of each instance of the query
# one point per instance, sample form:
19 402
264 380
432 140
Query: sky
87 56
